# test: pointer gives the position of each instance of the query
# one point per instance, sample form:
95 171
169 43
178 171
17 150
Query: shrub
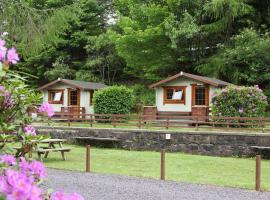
143 97
113 100
234 101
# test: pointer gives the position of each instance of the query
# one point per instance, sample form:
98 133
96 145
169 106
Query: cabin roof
207 80
83 85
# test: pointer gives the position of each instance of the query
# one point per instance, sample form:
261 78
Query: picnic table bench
51 146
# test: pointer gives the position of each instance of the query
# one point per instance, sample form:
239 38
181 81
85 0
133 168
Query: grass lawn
235 172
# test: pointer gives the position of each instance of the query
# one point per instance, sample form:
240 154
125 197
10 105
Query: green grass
234 172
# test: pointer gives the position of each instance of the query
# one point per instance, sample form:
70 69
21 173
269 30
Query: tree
245 61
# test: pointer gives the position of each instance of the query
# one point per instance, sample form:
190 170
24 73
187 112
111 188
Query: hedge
113 100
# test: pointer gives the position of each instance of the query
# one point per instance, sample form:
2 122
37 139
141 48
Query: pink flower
16 185
2 43
8 102
59 195
241 110
2 88
3 53
12 56
29 130
8 159
46 108
37 169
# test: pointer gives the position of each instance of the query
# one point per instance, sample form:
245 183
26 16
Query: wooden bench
46 150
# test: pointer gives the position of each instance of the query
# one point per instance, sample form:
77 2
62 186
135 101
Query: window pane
73 98
169 93
200 96
178 94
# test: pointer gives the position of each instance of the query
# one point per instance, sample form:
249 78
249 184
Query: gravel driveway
110 187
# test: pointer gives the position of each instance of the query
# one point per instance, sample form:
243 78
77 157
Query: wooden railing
168 122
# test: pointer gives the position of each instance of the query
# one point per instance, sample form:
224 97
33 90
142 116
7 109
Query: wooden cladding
174 95
200 95
56 96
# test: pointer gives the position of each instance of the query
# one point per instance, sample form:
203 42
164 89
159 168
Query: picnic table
52 145
46 146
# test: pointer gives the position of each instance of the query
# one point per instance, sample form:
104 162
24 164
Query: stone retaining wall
206 143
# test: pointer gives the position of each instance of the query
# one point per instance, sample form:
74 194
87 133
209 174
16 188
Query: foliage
123 41
234 101
142 97
21 180
16 98
59 70
245 61
113 100
103 60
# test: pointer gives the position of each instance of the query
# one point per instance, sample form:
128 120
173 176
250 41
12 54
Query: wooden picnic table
53 145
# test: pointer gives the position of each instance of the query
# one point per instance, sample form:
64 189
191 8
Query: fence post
87 167
162 164
68 119
113 121
263 125
167 124
140 122
197 125
91 120
258 173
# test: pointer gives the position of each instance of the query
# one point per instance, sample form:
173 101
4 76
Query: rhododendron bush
16 98
20 179
235 101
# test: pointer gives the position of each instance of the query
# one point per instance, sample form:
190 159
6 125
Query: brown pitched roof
204 79
83 85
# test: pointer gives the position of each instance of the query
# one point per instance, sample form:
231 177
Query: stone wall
206 143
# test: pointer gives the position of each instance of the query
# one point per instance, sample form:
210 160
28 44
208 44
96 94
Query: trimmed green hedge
235 101
113 100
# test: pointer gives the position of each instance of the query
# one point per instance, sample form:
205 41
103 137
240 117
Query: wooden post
140 121
258 173
167 124
113 121
91 120
68 119
87 168
197 125
162 164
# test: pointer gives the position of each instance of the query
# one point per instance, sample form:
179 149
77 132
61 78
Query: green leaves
113 100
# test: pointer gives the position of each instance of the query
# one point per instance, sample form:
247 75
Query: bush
113 100
236 101
143 97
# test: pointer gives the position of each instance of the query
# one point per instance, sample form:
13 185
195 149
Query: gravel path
110 187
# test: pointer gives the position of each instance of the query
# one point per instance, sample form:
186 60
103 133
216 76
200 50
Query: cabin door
74 101
200 101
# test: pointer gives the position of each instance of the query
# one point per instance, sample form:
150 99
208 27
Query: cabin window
200 95
91 97
174 94
56 96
